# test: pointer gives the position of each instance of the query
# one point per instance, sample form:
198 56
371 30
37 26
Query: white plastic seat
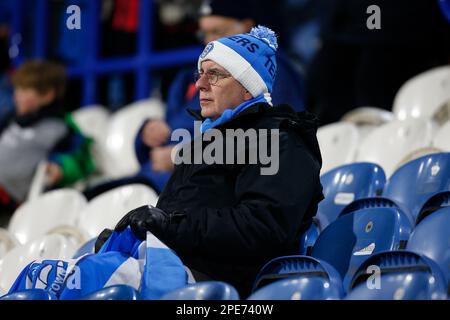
105 210
367 119
423 95
117 146
391 143
7 242
442 138
92 120
53 209
47 247
338 144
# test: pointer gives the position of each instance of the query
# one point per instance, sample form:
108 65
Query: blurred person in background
357 66
39 130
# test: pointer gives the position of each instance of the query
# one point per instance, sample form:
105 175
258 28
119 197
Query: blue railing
92 66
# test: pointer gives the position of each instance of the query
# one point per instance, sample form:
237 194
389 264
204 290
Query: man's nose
202 83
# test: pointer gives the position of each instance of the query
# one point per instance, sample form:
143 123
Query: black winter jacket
228 220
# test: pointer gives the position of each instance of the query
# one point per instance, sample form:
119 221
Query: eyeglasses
211 75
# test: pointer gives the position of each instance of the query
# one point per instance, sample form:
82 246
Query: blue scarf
229 114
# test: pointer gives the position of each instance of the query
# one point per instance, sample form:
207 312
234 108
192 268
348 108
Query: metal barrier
141 64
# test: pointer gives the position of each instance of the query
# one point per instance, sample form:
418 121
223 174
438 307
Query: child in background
39 130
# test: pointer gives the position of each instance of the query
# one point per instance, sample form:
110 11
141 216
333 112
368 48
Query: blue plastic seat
88 247
32 294
415 182
403 275
345 184
298 288
321 275
435 202
207 290
308 238
354 236
117 292
431 238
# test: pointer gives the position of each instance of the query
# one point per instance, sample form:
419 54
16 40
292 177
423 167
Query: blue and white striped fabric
148 266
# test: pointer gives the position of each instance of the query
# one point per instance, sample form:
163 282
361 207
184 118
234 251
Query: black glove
101 239
143 219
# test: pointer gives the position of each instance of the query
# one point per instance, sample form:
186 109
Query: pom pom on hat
265 34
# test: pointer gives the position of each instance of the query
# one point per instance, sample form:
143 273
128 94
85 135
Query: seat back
116 292
297 266
33 294
118 157
106 210
423 95
413 183
52 246
389 144
367 119
52 209
441 140
349 240
7 242
345 184
298 288
338 142
431 237
397 275
205 290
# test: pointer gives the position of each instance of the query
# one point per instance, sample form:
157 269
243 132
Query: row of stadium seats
350 202
385 210
57 223
418 124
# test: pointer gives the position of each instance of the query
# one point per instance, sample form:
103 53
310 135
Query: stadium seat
299 266
354 236
52 209
398 275
86 248
33 294
415 182
92 120
441 140
52 246
7 242
300 288
345 184
117 292
367 119
295 278
423 95
105 210
389 144
207 290
118 157
309 237
338 143
431 238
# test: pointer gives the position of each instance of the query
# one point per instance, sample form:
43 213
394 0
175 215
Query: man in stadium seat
218 18
227 219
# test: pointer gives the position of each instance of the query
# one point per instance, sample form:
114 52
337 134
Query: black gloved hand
143 219
101 239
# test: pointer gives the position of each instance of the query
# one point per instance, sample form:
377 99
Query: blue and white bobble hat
249 58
